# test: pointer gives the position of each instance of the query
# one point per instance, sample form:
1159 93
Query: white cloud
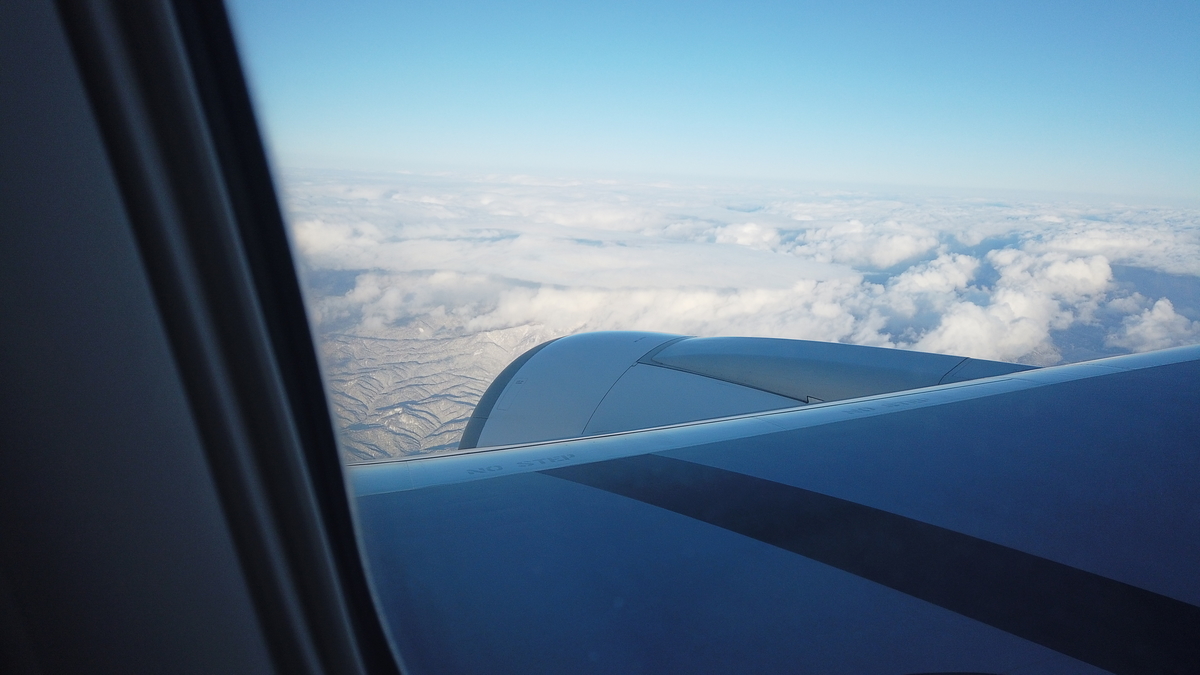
1035 294
994 332
749 234
1161 240
1158 327
429 258
815 310
878 245
577 255
931 286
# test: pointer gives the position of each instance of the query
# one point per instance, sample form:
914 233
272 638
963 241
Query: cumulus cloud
423 287
1034 295
931 287
1158 327
878 245
749 234
988 279
1158 239
815 310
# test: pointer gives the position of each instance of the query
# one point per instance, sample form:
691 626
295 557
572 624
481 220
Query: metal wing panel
826 371
1099 473
533 574
1038 522
647 396
554 394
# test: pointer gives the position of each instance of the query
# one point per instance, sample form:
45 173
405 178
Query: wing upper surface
1075 484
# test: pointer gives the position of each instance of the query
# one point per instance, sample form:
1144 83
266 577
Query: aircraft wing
1031 521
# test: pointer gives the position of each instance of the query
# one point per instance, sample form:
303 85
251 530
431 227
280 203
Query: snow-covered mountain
409 390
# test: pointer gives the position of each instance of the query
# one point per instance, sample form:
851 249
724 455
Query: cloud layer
410 257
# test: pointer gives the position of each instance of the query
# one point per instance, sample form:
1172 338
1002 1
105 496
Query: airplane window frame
166 86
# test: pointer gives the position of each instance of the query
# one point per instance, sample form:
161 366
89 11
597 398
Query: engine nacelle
607 382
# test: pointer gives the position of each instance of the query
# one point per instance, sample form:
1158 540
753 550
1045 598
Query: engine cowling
608 382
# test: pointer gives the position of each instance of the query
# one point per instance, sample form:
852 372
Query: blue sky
1100 97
